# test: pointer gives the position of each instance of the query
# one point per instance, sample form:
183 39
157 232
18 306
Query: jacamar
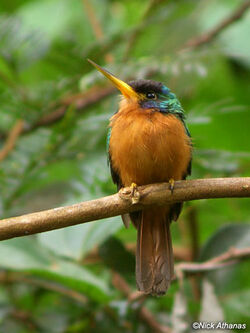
149 142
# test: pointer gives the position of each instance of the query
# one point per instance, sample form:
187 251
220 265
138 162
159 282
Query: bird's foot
135 195
171 185
130 193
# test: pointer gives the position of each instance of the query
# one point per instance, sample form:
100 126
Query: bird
149 142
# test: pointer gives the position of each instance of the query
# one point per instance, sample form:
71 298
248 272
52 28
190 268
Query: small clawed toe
135 195
171 185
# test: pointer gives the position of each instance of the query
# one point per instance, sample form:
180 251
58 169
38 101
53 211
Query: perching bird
148 142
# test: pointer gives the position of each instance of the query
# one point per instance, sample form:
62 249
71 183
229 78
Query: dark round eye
151 95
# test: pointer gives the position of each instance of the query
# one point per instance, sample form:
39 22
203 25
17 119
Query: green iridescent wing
115 176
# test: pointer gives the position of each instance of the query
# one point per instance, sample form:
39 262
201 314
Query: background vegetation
54 111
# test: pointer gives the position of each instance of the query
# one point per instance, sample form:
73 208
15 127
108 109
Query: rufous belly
147 146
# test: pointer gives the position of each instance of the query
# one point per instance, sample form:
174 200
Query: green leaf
230 235
118 258
237 305
27 255
41 15
75 242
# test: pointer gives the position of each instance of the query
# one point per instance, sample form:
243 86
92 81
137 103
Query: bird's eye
151 95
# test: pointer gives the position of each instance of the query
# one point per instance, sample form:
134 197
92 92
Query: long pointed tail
154 255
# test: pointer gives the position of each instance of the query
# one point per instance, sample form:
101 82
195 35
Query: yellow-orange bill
124 88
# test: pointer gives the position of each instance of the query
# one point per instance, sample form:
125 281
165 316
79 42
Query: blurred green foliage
47 282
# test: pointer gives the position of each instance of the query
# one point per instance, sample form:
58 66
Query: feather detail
154 255
126 220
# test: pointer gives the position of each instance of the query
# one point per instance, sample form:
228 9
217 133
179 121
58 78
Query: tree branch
96 25
230 257
11 139
80 101
210 35
121 203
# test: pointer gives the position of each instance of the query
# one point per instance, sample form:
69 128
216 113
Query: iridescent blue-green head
155 95
147 93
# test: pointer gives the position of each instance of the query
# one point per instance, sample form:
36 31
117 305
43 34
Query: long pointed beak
124 88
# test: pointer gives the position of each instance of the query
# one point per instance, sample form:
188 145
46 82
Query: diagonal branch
230 257
80 101
11 139
210 35
121 203
96 25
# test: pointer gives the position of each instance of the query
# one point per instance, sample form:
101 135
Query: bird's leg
171 185
131 193
135 195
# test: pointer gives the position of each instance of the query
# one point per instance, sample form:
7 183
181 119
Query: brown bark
120 203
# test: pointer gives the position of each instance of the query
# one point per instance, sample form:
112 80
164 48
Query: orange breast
148 146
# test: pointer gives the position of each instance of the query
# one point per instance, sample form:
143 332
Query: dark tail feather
154 254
